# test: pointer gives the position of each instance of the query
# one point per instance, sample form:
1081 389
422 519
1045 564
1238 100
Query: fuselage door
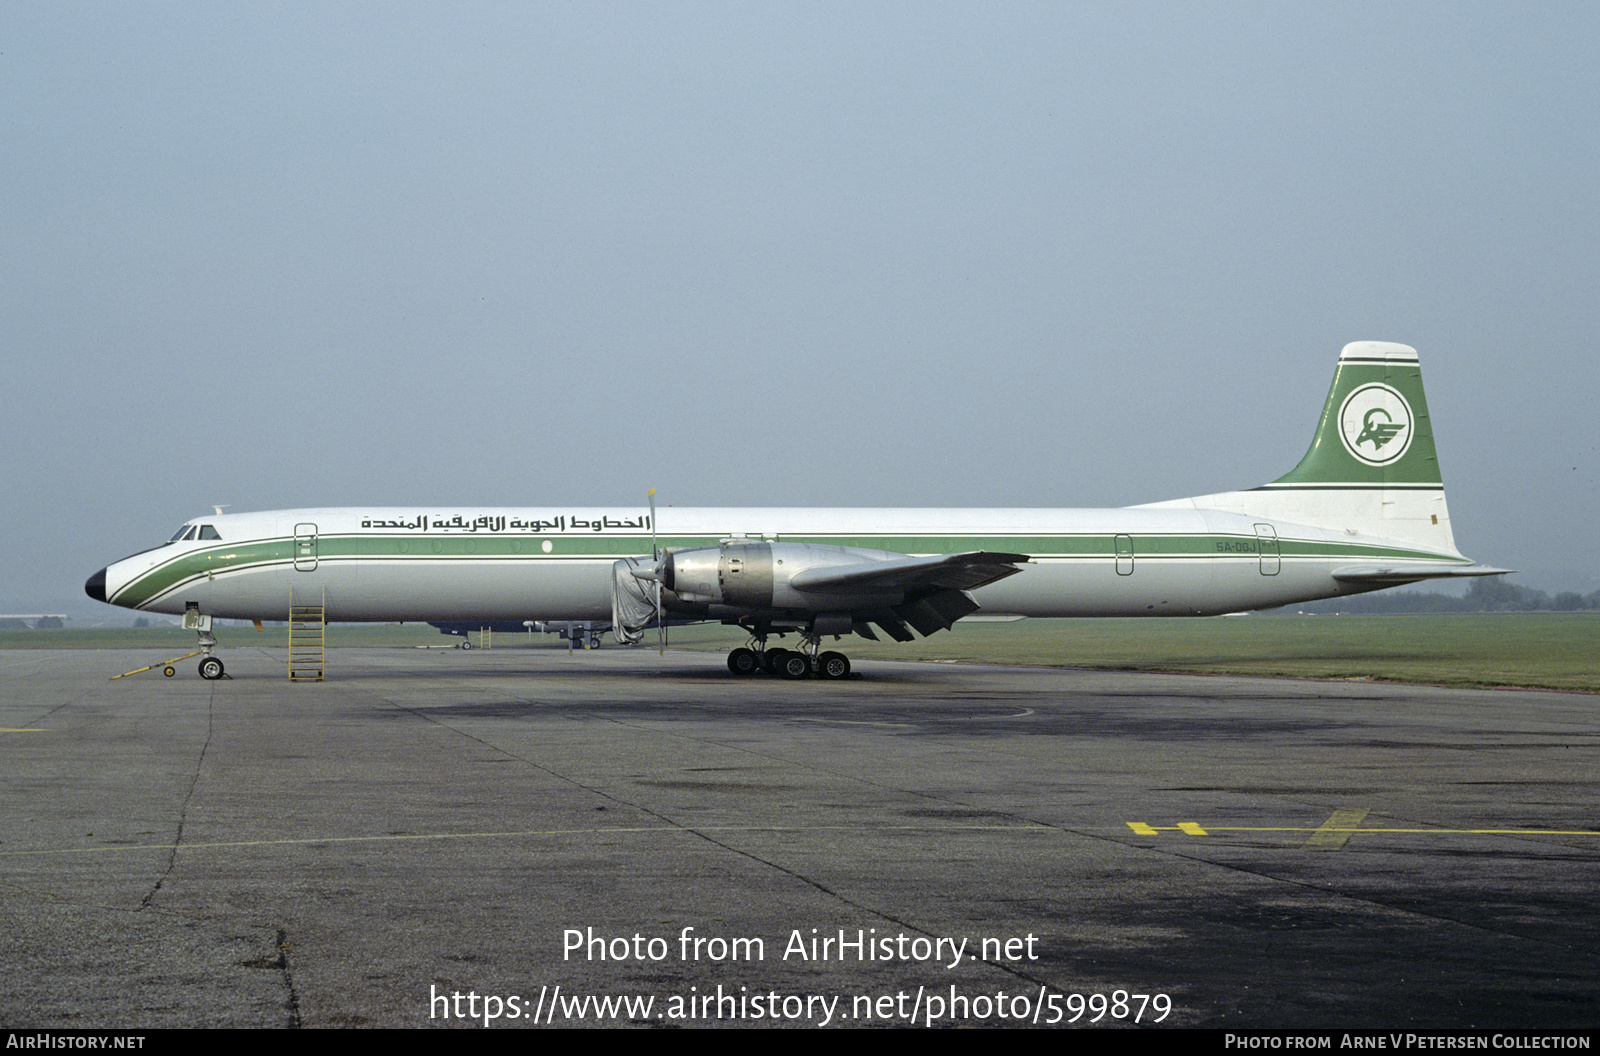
1124 555
305 547
1267 544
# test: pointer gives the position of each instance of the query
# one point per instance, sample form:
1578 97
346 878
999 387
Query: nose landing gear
211 667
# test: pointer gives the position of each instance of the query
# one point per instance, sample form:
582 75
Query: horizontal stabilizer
967 571
1412 573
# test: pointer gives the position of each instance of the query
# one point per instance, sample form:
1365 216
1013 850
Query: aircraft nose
96 586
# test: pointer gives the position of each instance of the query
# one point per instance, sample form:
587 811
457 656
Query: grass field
1544 650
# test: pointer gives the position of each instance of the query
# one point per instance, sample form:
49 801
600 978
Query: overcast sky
904 254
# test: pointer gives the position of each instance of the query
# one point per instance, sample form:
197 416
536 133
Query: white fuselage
556 563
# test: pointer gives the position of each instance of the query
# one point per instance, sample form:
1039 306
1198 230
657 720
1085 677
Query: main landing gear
756 658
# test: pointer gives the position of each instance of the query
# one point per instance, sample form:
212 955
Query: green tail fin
1375 428
1372 469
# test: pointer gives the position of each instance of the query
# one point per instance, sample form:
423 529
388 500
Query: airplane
1364 509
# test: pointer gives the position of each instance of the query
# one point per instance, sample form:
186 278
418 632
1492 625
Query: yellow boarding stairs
308 641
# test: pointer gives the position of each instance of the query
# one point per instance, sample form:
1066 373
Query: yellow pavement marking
1329 830
1425 832
22 729
1336 830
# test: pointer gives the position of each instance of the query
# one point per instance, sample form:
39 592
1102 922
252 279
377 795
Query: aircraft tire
833 665
211 669
744 662
795 665
464 644
773 661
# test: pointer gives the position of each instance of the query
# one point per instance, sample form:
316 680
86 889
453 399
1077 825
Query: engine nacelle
754 575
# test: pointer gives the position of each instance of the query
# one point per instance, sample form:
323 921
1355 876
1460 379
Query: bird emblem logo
1375 424
1377 427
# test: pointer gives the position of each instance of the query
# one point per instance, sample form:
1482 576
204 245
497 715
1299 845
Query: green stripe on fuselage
196 564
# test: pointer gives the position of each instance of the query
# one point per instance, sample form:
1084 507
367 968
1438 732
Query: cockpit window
191 532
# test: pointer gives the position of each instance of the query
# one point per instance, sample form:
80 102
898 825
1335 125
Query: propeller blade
655 554
655 551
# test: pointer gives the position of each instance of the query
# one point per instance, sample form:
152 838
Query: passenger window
208 532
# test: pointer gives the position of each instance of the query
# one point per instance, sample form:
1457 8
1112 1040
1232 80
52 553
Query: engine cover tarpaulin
633 606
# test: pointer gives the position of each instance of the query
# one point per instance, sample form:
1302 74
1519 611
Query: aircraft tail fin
1372 468
1375 431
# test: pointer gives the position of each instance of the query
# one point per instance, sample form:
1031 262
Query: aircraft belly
403 591
481 590
1192 586
1092 587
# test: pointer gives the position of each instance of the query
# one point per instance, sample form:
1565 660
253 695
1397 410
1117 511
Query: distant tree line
1489 594
42 623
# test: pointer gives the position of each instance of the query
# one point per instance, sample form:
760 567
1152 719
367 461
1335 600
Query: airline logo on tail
1375 424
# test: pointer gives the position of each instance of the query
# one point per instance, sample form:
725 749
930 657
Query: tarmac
515 837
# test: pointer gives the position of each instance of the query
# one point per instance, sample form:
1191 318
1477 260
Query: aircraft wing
966 571
1383 574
